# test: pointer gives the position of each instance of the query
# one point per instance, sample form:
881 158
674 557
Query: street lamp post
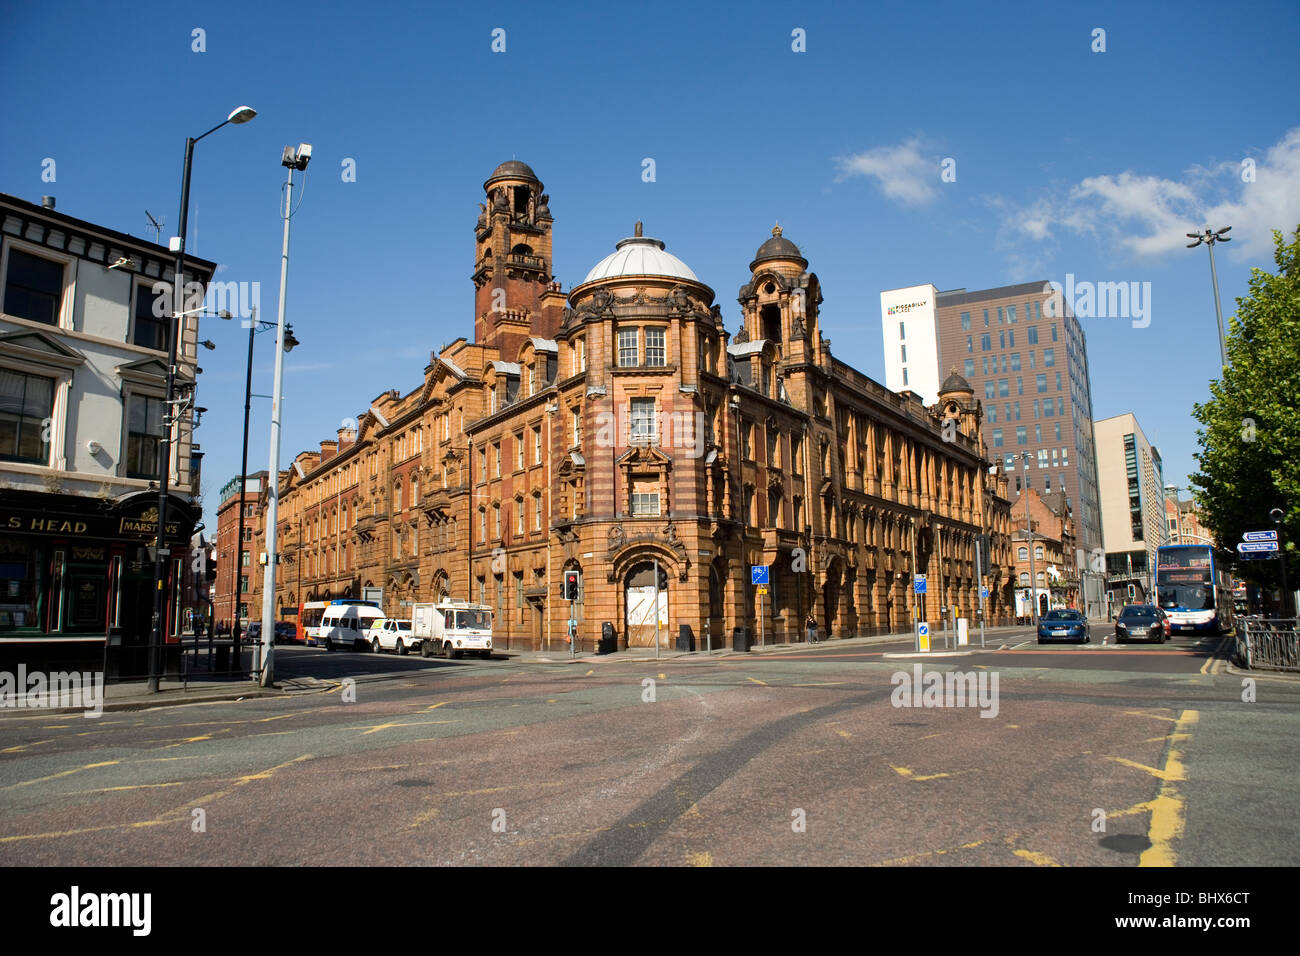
292 159
255 325
1210 238
171 414
1029 530
1277 514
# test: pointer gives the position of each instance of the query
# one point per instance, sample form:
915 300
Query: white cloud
1150 215
903 172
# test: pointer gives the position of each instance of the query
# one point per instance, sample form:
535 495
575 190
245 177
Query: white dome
640 256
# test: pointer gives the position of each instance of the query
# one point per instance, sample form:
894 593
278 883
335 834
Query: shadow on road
335 665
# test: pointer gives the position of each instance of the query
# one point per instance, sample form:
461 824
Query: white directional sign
1259 536
1257 546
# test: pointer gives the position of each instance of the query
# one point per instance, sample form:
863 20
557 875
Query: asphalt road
1092 755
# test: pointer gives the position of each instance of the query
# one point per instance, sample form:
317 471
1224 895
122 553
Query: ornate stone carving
740 337
617 537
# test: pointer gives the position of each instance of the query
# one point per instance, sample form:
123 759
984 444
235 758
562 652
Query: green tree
1249 453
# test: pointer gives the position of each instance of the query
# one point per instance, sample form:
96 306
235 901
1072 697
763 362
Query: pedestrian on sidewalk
810 626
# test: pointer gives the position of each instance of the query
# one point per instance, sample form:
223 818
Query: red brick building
619 430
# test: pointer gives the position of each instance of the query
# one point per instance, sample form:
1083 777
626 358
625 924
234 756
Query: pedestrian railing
1269 643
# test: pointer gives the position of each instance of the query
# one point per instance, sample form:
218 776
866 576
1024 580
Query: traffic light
570 585
1132 591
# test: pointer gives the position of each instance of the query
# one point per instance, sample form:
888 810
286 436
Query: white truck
452 628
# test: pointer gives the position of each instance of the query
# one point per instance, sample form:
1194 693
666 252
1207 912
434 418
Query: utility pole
1029 529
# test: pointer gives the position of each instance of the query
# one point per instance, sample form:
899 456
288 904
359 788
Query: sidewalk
666 652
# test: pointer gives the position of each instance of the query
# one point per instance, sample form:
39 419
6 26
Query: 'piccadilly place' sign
136 524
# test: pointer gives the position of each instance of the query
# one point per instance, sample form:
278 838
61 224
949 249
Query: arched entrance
641 595
441 586
831 594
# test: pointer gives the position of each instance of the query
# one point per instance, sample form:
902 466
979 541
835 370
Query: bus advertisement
1194 588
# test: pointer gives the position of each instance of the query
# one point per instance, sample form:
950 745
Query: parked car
286 632
252 631
391 634
1142 622
1064 624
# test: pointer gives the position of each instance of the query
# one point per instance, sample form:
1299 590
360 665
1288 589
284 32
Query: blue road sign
918 584
1257 555
1257 546
758 574
1259 536
923 629
984 592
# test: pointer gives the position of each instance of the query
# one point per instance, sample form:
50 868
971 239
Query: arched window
520 516
1024 578
537 511
415 491
1024 554
1038 553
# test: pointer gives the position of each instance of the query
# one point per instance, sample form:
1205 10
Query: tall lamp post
1277 514
162 553
1210 238
292 159
254 325
1029 530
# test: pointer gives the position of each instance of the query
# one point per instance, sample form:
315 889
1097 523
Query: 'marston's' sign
135 520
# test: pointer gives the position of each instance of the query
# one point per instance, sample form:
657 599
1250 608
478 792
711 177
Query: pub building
79 572
85 335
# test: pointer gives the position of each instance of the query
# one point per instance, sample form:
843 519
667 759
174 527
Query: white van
452 628
345 624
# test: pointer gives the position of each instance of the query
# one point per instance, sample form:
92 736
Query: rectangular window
496 521
993 413
645 496
986 342
144 436
1042 382
150 330
969 345
520 516
1049 407
537 512
496 459
969 368
1022 435
986 365
1017 408
1038 433
997 438
905 378
1042 458
642 420
986 318
903 349
1035 408
537 446
1058 433
1058 381
519 451
33 287
965 321
1049 358
902 331
1011 338
655 353
627 348
1053 331
990 388
1011 313
26 403
577 426
1015 361
1002 340
580 356
1003 388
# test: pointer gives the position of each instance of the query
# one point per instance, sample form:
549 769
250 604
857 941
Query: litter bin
685 638
740 640
608 639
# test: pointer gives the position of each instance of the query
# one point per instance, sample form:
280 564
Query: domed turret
778 248
640 256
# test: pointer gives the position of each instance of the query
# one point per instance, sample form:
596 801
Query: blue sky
1067 161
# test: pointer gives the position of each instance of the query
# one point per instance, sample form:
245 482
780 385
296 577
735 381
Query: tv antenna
157 226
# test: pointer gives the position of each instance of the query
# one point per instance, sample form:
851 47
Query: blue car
1064 624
